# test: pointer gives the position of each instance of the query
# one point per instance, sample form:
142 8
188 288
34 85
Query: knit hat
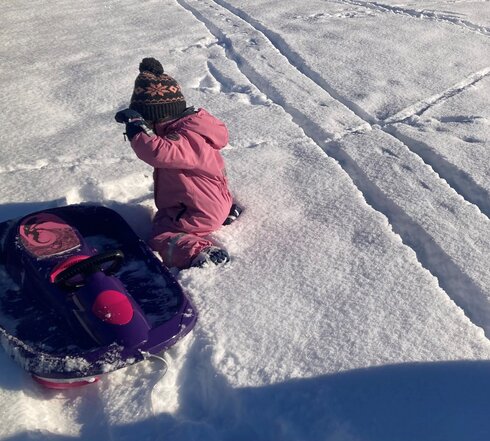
156 95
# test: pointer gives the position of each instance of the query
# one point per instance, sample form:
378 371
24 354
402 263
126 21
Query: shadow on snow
413 401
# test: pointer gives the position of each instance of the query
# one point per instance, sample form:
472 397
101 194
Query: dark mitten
126 115
134 123
136 126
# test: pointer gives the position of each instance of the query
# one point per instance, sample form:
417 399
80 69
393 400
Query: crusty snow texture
356 306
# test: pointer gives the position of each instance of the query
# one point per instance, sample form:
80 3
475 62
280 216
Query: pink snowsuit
191 188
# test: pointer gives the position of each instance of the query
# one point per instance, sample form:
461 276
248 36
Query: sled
81 295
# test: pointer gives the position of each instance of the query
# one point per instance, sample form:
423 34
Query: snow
357 303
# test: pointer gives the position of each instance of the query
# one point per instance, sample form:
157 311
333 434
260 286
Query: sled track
421 107
296 60
218 14
457 179
460 181
421 14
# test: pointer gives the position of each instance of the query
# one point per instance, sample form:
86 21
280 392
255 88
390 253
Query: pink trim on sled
66 264
61 384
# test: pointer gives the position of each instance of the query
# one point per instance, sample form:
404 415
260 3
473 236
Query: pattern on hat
156 95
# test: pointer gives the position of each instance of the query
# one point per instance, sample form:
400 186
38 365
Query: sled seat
45 235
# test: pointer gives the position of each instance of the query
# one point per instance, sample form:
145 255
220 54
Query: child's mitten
134 123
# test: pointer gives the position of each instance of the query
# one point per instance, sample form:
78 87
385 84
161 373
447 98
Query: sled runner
81 296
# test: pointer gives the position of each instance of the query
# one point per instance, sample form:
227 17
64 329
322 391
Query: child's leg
179 249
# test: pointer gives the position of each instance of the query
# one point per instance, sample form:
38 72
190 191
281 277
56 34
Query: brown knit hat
156 95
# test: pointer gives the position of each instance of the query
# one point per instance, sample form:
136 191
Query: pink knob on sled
113 307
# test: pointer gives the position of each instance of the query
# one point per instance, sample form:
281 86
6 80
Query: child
190 185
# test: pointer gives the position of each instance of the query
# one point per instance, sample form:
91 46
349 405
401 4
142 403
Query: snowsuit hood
213 131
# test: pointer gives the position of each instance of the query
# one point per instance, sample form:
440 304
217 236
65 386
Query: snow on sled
81 295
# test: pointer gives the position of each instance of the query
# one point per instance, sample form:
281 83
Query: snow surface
357 303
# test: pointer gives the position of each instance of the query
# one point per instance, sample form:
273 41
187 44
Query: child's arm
172 151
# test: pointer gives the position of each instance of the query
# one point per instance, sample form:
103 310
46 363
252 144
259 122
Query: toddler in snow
190 185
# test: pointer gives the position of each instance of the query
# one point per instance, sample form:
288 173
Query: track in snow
278 69
421 107
315 127
462 182
297 61
422 14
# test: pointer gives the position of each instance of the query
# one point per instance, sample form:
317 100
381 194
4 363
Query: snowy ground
357 304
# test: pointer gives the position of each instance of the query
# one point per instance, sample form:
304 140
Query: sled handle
89 266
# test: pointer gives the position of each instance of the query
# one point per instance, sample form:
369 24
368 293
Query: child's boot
210 256
234 213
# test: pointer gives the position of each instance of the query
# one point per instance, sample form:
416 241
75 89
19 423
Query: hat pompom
151 65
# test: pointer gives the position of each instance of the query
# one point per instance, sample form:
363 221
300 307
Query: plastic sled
81 296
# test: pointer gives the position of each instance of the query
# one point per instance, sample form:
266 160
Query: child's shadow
139 217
